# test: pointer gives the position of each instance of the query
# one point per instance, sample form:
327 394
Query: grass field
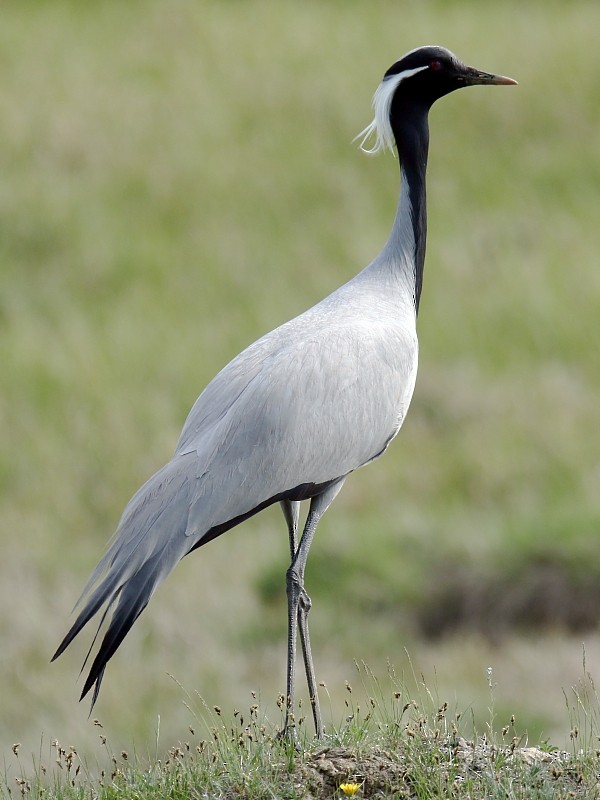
178 178
395 744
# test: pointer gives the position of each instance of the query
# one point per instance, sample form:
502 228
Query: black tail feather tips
132 599
149 541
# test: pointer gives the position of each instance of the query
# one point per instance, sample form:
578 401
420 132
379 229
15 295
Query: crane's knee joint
305 602
293 580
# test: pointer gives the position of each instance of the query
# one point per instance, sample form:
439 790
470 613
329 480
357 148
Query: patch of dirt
376 772
441 767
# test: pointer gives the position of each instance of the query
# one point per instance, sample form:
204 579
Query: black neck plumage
411 132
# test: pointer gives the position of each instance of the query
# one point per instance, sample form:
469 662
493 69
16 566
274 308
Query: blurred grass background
176 179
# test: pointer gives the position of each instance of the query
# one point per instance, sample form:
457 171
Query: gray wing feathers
293 425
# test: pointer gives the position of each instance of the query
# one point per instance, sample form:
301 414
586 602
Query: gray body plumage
297 410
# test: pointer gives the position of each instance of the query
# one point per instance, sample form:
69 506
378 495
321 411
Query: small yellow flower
349 789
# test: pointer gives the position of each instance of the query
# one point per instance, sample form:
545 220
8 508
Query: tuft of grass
389 744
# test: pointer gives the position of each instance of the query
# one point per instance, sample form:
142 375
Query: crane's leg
291 512
304 607
299 603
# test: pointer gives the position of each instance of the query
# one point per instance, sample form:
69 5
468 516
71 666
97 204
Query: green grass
393 744
179 178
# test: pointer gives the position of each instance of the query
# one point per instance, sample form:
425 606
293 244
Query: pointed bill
476 77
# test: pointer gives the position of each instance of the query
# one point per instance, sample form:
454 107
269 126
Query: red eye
435 65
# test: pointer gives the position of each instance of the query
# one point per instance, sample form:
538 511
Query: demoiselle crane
297 411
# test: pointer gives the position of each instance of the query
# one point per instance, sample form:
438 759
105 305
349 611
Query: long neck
411 132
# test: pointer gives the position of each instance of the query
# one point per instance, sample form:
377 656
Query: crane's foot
289 735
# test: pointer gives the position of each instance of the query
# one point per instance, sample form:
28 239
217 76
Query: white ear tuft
381 127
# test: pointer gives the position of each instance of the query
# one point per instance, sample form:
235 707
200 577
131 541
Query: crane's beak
473 77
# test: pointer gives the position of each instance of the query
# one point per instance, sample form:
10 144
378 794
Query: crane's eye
435 65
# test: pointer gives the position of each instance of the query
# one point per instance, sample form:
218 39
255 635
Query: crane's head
417 80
